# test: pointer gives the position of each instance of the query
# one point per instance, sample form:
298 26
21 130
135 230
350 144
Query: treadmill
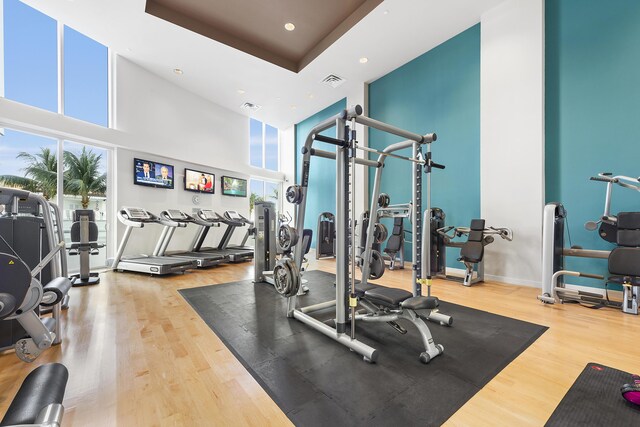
213 219
155 265
236 217
202 259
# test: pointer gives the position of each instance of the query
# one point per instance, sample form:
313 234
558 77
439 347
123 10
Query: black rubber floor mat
594 399
318 382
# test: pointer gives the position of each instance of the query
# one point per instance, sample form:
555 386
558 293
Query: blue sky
31 75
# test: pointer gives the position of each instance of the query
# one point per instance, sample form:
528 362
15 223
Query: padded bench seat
388 297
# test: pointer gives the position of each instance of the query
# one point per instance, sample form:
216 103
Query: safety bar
422 139
330 155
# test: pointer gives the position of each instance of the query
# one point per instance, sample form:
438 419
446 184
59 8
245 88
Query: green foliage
40 174
82 175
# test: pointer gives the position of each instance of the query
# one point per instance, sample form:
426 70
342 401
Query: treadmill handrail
229 221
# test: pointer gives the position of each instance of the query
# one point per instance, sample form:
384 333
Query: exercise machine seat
421 303
59 287
624 261
473 249
394 244
45 385
362 289
307 236
387 297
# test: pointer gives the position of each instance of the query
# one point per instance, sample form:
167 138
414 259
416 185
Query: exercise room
319 213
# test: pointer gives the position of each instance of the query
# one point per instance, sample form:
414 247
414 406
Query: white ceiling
393 34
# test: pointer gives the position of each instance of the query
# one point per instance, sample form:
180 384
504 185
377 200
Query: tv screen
234 186
199 181
152 174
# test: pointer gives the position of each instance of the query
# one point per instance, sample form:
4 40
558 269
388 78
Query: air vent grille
250 106
333 80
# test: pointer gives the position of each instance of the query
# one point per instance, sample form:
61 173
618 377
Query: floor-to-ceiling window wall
49 65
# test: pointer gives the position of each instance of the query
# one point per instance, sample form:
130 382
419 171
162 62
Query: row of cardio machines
162 262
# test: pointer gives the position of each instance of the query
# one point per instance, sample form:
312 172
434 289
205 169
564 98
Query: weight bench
39 399
384 304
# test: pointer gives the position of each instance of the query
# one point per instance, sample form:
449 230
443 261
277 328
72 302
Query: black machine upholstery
396 240
43 386
307 236
388 297
473 249
60 287
624 260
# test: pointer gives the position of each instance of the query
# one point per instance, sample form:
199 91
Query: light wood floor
138 355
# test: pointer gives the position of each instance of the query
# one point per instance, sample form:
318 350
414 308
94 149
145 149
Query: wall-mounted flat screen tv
152 174
234 186
199 181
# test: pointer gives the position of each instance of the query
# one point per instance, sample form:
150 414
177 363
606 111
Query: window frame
263 135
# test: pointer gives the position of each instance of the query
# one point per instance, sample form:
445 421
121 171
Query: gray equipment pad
318 382
594 399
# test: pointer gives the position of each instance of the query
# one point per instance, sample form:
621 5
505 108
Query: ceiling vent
250 106
333 80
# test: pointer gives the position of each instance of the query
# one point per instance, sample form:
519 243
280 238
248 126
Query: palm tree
252 201
40 174
83 176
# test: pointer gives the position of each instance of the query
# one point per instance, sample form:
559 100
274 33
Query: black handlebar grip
592 276
599 178
437 165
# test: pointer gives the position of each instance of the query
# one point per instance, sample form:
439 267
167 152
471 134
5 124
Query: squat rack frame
346 159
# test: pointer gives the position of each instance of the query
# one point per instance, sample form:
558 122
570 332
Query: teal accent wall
321 195
592 113
436 92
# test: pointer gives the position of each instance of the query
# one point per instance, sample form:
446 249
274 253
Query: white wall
158 118
288 163
512 137
156 200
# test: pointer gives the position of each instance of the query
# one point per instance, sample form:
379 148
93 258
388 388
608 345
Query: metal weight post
416 223
353 302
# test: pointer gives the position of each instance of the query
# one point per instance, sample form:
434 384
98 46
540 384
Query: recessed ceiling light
364 60
386 12
293 107
240 91
289 26
178 71
310 96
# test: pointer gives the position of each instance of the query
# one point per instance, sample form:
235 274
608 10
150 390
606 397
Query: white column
512 137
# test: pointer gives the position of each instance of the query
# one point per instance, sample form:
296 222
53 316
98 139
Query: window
32 42
85 187
30 162
30 56
263 145
85 78
263 191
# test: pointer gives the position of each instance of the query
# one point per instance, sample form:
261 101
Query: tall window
31 58
263 145
263 191
86 78
30 162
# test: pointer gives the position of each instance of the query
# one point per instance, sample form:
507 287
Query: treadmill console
137 214
208 215
233 215
176 215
